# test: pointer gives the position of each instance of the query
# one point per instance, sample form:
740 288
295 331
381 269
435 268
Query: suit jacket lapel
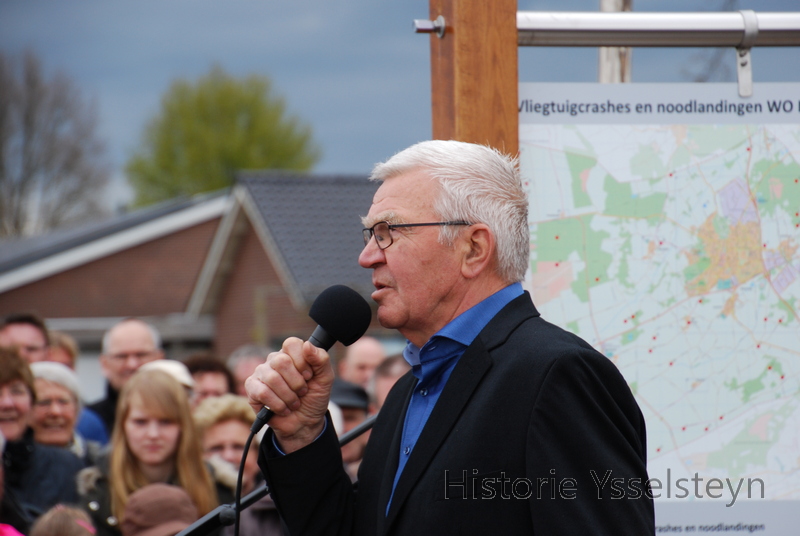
472 367
466 377
406 385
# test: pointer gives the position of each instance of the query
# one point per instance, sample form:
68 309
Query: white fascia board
108 245
215 257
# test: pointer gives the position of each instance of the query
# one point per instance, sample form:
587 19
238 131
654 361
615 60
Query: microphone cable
261 419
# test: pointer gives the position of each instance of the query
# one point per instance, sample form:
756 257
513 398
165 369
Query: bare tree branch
52 165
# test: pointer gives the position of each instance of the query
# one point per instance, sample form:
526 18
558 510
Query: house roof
310 226
29 259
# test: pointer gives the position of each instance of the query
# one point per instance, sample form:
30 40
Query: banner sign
665 231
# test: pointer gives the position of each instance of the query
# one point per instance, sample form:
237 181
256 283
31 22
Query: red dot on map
765 245
700 300
556 237
748 148
670 363
765 319
721 417
683 428
706 428
654 337
650 350
625 321
780 320
769 367
758 346
688 322
633 316
597 279
658 449
782 376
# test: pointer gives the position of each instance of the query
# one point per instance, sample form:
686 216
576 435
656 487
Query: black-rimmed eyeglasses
382 230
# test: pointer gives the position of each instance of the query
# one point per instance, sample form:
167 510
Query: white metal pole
614 63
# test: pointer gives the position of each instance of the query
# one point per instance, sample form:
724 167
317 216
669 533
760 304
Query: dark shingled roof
315 222
16 253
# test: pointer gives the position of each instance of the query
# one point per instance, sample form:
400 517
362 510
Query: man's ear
104 364
480 250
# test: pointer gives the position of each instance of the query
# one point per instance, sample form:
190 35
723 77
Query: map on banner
674 249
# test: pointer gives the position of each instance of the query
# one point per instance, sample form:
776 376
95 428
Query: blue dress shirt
434 362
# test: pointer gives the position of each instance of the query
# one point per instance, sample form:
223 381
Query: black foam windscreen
342 313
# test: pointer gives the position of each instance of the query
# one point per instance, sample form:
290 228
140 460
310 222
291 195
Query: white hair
59 374
477 184
247 352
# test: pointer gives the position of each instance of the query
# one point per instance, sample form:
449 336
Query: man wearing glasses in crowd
504 418
126 346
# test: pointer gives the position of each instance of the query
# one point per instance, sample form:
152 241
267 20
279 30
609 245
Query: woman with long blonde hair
154 440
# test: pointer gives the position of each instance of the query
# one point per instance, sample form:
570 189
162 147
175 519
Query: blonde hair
216 409
65 341
160 395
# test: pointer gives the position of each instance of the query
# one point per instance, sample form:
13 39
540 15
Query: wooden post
474 73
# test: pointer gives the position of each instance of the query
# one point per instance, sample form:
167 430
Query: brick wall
254 307
154 278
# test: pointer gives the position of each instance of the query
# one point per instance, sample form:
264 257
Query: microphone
341 315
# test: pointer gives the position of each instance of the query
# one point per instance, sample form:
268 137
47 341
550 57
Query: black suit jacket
534 433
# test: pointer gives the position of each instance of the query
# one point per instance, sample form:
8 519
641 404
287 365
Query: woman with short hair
37 476
55 412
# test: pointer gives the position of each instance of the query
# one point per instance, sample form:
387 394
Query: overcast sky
354 70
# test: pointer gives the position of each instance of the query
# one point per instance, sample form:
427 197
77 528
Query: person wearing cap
56 409
63 520
126 346
353 400
64 349
158 510
176 369
154 440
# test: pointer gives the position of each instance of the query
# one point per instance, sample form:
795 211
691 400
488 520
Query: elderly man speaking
506 424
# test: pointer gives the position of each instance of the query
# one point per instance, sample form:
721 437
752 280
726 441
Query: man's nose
371 254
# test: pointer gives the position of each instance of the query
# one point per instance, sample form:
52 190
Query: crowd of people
162 447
